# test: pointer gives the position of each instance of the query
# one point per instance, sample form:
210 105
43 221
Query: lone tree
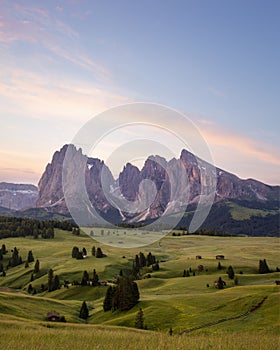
99 253
263 267
230 272
139 320
84 311
220 283
37 266
30 257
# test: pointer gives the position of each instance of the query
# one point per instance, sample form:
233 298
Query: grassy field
167 299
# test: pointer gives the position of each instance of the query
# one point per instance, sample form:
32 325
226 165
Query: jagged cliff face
176 183
17 196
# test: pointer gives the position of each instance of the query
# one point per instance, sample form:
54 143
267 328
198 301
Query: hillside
167 298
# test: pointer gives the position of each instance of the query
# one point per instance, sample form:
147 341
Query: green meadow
167 299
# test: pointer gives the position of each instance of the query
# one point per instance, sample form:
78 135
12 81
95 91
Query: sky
217 62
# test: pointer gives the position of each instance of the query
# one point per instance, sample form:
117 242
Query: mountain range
239 206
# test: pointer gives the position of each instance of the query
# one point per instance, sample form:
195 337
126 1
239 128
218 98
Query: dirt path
254 308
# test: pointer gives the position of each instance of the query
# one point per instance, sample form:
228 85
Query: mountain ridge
174 181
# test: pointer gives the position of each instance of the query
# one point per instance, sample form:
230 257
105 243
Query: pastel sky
216 61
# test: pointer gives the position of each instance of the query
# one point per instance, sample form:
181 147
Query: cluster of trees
53 281
189 272
22 227
123 296
141 261
87 281
80 254
97 252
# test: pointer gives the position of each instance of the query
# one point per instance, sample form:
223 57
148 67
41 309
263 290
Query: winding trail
254 308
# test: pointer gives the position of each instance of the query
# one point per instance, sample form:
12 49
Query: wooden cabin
220 257
53 316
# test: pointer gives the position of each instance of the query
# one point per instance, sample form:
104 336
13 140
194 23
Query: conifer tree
29 289
95 279
56 283
85 279
107 304
99 253
139 320
30 257
84 251
75 252
93 251
37 266
84 311
263 267
230 272
50 280
142 260
221 283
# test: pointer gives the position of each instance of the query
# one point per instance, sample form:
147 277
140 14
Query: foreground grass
35 336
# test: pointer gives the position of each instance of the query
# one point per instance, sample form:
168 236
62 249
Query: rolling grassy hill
167 299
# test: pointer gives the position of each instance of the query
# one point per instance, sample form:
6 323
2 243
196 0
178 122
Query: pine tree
95 279
139 320
137 263
85 279
84 311
219 266
30 257
263 267
150 259
184 273
16 259
84 251
221 283
126 294
230 272
3 249
107 304
56 283
31 278
30 289
50 280
99 253
37 266
142 260
75 252
93 251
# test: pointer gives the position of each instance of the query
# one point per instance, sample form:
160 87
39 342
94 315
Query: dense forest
22 227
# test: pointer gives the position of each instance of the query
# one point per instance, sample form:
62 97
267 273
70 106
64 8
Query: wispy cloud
245 156
36 25
41 97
